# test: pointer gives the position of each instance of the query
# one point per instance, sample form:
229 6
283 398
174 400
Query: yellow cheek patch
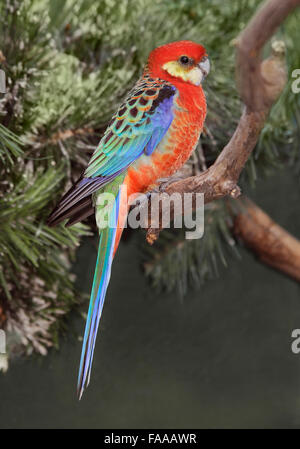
192 75
175 69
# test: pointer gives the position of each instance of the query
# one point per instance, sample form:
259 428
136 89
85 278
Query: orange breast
174 149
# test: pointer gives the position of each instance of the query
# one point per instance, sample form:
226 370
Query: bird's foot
163 183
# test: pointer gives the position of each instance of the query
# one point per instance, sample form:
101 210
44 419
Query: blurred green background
219 358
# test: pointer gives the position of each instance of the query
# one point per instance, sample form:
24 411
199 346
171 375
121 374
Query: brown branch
260 84
272 244
2 317
2 57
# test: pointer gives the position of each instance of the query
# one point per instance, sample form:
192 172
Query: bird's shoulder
148 97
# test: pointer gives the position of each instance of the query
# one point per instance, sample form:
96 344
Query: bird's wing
137 127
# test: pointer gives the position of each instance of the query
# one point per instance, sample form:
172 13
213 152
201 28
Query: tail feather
100 284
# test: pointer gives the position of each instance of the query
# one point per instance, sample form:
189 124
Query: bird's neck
189 94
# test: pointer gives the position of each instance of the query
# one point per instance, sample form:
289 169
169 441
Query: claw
165 182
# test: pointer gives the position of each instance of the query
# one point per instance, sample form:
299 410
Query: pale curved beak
204 66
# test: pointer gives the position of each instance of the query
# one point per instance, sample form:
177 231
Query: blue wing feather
161 122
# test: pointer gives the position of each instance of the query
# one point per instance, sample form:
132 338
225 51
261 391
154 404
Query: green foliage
9 146
35 286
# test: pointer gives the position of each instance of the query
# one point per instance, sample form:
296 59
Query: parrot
152 134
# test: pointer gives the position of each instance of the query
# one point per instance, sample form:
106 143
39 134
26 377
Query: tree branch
260 84
272 244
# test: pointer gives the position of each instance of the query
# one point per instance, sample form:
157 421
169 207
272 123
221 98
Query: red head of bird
179 62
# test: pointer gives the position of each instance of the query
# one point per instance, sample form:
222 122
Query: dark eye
184 60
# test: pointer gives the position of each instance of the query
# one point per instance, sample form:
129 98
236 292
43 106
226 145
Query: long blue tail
100 283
